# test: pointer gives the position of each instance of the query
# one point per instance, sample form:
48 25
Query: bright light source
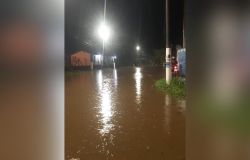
98 58
138 48
104 32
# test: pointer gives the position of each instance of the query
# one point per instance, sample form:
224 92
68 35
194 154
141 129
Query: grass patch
176 88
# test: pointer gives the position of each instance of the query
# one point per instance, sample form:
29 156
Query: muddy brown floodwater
119 115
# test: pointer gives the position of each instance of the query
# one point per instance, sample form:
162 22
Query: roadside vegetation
176 88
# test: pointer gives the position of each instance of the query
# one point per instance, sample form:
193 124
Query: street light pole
168 49
103 50
104 32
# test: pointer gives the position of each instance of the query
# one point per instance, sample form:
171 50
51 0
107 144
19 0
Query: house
85 60
80 59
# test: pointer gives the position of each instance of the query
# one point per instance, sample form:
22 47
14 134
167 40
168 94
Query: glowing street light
138 48
104 32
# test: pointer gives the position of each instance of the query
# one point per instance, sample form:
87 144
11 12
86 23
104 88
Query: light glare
138 48
104 32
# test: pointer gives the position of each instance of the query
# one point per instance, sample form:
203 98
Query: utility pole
168 49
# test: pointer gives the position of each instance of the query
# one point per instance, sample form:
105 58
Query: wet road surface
119 115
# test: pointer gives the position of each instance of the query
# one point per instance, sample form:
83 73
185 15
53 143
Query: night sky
132 21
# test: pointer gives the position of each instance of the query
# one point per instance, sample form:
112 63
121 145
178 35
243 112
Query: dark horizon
138 22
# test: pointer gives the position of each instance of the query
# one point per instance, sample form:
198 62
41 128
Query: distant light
113 58
104 32
98 57
138 48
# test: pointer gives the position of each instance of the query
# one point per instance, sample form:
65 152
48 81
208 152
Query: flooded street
119 115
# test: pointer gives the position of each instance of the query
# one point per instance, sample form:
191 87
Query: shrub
176 88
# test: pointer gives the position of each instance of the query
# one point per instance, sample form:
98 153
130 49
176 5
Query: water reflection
105 105
182 105
115 77
106 111
168 111
99 79
138 85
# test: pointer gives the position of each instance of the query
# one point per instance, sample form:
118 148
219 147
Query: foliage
176 88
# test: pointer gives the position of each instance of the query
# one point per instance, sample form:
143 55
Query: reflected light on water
115 77
106 111
182 105
99 79
138 85
105 104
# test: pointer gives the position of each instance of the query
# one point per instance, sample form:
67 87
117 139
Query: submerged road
119 115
